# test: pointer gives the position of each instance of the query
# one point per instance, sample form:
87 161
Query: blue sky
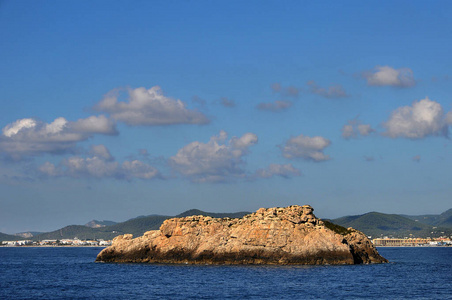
113 109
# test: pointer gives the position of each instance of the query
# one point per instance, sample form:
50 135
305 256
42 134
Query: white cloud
365 129
33 137
274 106
95 124
143 152
449 118
49 169
421 119
388 76
198 101
89 167
248 139
285 171
102 152
99 165
56 126
149 107
305 147
138 169
227 102
348 131
276 87
287 91
292 91
13 128
335 91
214 161
354 128
221 137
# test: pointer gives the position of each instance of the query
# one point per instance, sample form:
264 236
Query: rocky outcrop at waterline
290 235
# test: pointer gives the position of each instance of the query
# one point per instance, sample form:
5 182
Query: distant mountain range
372 224
403 225
7 237
378 224
442 220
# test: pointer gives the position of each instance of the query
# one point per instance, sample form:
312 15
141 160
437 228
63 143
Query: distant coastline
49 246
374 225
56 243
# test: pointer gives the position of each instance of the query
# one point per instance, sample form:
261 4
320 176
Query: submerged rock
290 235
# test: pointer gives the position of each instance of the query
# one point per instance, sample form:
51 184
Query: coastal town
412 242
378 242
75 242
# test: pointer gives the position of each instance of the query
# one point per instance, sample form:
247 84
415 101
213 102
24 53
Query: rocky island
290 235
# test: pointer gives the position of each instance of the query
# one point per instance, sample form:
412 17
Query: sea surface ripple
65 272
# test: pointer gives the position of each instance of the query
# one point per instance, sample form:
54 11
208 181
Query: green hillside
425 219
442 220
136 226
76 231
8 237
378 224
373 224
140 225
445 219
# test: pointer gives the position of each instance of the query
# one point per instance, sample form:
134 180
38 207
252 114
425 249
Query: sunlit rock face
290 235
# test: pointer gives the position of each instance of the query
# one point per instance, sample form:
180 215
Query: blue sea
71 273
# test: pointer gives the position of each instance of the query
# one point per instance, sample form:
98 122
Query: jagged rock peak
294 213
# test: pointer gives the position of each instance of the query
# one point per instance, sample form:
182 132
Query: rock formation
291 235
